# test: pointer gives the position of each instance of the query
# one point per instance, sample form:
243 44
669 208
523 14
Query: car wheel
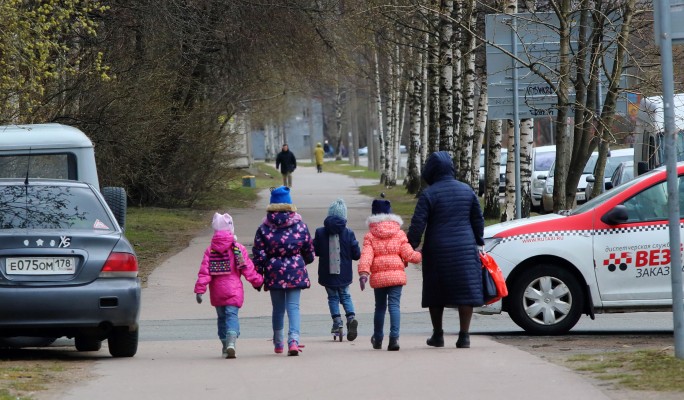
84 343
545 300
123 342
116 200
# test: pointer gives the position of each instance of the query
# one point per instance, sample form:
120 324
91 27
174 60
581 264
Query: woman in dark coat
449 213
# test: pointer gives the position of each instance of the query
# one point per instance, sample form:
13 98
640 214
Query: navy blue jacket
449 213
349 250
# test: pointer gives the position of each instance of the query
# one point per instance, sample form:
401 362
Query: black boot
463 341
377 343
393 344
437 338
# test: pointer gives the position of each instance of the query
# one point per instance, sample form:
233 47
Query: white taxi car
610 254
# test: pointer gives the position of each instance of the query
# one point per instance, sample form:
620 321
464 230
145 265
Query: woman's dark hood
438 166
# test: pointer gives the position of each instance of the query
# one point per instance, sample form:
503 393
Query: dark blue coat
449 213
349 250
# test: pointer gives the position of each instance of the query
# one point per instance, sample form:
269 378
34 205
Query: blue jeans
384 297
285 300
227 320
337 295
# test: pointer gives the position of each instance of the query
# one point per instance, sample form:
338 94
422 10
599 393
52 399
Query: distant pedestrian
336 247
448 211
327 148
318 154
286 161
386 253
224 262
282 249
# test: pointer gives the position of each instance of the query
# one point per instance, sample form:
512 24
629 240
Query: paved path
173 364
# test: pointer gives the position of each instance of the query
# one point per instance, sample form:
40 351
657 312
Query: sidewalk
179 369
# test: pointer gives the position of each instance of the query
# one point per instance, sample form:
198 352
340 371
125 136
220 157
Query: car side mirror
642 167
591 179
609 185
617 215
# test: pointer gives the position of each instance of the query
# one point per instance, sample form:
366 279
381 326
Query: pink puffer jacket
386 251
226 289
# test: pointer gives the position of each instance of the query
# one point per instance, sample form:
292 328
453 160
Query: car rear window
52 207
47 166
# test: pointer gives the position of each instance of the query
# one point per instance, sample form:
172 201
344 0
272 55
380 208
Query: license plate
40 266
580 196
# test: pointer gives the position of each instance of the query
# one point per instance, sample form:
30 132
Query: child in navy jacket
336 246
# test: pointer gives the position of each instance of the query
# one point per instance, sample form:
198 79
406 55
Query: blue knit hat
281 195
381 207
281 200
338 209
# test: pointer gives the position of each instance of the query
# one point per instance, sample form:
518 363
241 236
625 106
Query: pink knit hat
223 222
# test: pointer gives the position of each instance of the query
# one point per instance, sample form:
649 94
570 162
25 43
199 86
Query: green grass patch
655 370
18 381
155 233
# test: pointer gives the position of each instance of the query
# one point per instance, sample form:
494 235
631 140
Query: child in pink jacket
224 262
386 252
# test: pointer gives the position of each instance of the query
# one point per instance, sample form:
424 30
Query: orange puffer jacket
386 251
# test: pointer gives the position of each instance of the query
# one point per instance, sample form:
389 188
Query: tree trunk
508 213
480 127
434 77
446 96
563 142
467 125
378 105
493 164
415 110
457 86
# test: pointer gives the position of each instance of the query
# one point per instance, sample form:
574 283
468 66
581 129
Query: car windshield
605 196
543 161
591 163
48 166
613 162
52 207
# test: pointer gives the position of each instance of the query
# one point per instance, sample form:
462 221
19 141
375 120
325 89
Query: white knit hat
222 222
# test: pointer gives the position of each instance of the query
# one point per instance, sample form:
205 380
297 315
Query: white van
649 149
55 151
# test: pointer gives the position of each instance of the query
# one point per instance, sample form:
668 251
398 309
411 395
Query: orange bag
493 282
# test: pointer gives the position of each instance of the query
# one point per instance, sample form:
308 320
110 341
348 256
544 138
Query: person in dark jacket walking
336 246
449 213
286 161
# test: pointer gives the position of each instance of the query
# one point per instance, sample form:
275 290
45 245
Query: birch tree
446 97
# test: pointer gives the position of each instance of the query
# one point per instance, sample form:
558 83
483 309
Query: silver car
66 268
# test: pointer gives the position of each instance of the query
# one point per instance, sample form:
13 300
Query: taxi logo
618 260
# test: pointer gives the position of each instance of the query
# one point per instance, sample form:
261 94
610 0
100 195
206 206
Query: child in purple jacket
224 262
282 249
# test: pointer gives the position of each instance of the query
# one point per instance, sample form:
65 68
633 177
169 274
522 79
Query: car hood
501 229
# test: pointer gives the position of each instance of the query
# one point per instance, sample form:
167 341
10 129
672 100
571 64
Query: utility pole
663 33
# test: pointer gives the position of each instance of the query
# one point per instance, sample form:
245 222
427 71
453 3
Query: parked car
615 157
547 196
502 172
66 268
363 151
611 254
542 160
55 151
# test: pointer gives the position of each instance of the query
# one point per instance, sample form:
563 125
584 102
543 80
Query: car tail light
120 265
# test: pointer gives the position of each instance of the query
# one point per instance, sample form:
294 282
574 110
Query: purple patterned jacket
282 249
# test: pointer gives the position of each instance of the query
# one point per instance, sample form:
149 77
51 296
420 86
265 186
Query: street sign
538 43
676 15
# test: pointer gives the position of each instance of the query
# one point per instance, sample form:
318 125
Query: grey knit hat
338 209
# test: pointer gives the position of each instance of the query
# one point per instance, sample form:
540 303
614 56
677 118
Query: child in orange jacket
386 252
